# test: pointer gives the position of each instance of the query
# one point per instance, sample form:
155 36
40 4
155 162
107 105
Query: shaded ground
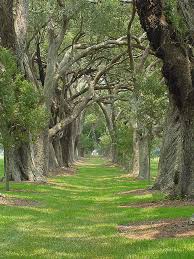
168 228
63 171
17 202
160 204
138 192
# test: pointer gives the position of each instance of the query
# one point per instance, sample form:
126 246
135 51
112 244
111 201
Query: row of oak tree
77 53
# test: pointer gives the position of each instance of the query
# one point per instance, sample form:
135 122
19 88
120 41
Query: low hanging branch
129 37
86 99
76 112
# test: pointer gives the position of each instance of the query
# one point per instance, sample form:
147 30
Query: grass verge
78 216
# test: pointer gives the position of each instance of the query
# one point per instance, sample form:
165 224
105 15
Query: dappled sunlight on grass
78 216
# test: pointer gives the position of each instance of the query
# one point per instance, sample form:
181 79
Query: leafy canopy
21 110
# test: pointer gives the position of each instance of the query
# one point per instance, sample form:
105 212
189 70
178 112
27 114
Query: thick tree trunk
76 148
135 159
57 150
77 137
64 149
177 158
140 161
66 142
176 165
29 161
53 161
7 31
144 157
72 147
171 152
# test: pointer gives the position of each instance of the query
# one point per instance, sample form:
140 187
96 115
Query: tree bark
143 143
53 161
177 158
170 157
28 161
7 30
176 166
55 157
135 159
66 146
140 161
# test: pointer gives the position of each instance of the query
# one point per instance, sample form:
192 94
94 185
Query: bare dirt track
160 204
17 202
150 230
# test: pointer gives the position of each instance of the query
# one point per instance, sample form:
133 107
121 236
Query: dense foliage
21 107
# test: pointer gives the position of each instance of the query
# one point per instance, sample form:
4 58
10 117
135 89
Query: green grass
154 167
78 218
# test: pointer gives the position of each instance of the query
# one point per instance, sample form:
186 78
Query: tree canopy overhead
97 126
87 75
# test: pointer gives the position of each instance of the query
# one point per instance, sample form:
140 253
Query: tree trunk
177 158
135 159
57 153
7 31
6 173
144 157
29 161
76 148
176 167
64 149
77 137
72 147
140 162
66 142
53 161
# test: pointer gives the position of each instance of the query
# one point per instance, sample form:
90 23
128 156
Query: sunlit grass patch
78 217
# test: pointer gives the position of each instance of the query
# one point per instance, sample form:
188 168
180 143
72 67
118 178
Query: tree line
72 71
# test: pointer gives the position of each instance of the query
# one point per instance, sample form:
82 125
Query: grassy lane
77 217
